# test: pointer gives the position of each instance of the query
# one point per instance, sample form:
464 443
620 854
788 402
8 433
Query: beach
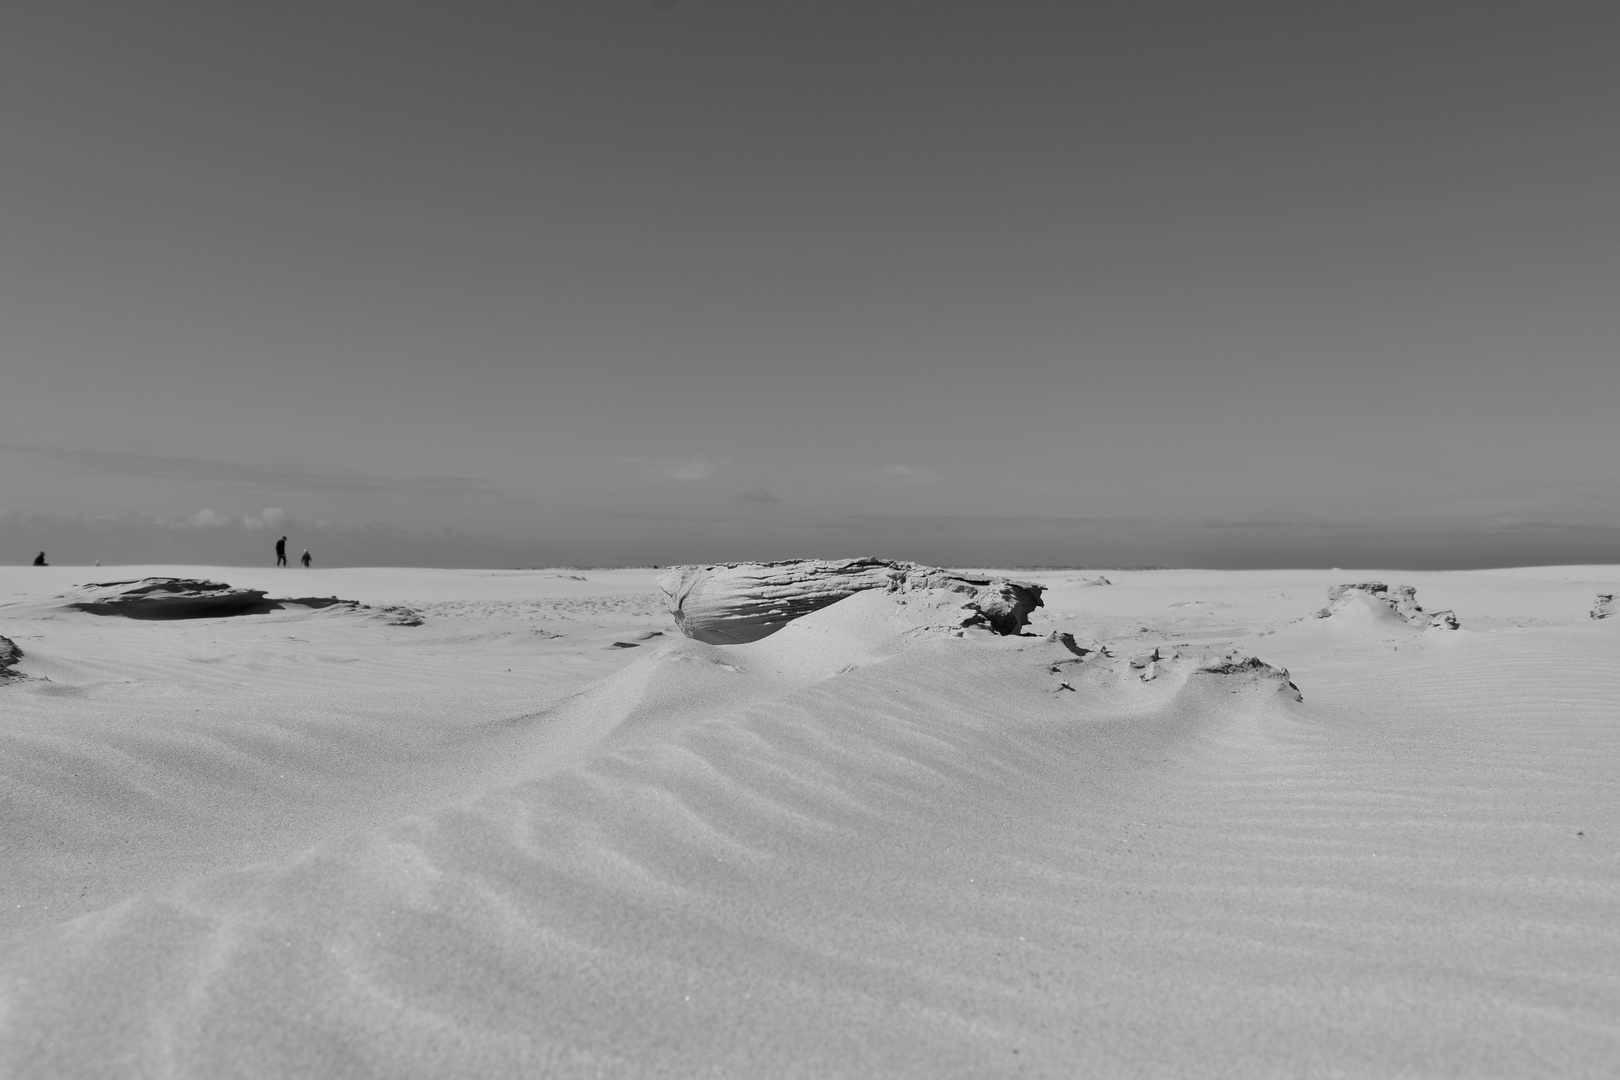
542 833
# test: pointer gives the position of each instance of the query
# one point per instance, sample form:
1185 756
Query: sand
527 838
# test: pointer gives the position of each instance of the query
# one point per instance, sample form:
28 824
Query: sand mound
1252 669
1382 601
1604 606
733 603
685 679
876 635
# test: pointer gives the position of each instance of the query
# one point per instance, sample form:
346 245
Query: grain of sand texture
310 843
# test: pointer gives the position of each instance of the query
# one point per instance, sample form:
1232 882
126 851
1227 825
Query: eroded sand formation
1399 600
396 615
1158 662
166 598
9 655
734 603
1604 606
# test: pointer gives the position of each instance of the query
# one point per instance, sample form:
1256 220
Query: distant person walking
281 552
304 558
39 560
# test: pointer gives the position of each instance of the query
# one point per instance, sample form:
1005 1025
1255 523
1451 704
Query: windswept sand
309 843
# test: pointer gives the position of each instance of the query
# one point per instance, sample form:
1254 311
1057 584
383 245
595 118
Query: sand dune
316 844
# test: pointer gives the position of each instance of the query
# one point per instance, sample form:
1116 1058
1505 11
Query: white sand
316 845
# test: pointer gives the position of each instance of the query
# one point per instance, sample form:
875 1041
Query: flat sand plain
542 834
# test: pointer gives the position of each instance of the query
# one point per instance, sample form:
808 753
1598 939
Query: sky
611 282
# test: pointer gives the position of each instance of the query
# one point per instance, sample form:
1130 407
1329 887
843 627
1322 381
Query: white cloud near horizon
207 519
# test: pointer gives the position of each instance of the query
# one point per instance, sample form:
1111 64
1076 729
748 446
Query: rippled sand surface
532 838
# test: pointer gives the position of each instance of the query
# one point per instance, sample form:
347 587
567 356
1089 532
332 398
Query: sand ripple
913 855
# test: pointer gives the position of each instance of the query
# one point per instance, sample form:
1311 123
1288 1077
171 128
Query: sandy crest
863 846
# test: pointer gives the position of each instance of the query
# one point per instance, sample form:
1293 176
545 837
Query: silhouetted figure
281 552
304 558
39 560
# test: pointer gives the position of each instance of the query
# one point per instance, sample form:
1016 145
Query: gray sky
615 281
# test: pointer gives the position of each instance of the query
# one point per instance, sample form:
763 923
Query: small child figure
304 558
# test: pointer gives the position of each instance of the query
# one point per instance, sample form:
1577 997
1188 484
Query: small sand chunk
9 655
1066 639
1254 669
1603 607
399 615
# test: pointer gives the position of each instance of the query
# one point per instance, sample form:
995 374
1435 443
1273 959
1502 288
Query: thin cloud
904 476
654 515
757 495
953 522
686 470
207 519
1589 502
270 517
299 478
